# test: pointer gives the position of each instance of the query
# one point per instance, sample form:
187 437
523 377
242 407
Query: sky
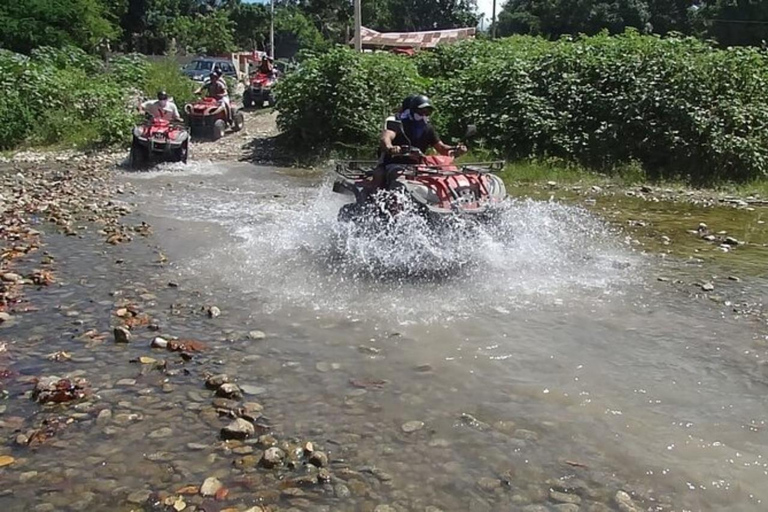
485 6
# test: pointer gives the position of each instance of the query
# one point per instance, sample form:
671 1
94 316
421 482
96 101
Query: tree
416 15
27 24
251 24
735 22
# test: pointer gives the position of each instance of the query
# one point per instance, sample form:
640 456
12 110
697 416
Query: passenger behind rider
217 89
162 108
412 131
266 66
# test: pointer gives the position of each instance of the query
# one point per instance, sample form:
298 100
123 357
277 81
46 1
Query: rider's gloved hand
459 150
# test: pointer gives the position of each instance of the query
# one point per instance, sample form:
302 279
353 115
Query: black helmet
162 95
419 102
216 72
407 102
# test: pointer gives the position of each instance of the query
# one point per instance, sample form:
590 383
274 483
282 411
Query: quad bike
208 119
260 90
159 140
433 186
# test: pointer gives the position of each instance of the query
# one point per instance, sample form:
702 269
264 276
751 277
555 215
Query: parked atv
260 90
158 140
208 119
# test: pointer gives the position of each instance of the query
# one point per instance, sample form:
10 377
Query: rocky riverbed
138 370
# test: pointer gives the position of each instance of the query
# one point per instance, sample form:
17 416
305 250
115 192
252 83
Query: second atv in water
208 119
435 187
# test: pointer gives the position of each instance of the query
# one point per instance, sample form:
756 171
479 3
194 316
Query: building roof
419 40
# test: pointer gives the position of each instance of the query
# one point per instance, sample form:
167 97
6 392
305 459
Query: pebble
318 459
625 503
6 460
122 335
561 497
489 484
272 457
252 390
238 429
708 287
528 435
139 497
210 486
412 426
214 312
104 416
256 335
159 342
5 317
126 382
384 508
216 381
734 278
197 446
566 507
342 491
161 432
229 390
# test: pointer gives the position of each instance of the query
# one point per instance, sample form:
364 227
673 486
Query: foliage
65 97
27 24
341 97
735 22
676 106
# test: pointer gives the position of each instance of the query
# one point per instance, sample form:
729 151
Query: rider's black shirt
418 134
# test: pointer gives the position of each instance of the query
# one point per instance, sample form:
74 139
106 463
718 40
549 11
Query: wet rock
318 459
216 381
10 277
139 497
527 435
246 462
272 457
323 476
56 390
566 507
5 317
597 507
161 432
214 312
707 287
210 487
229 390
384 508
266 441
729 240
121 334
105 415
250 389
256 335
6 460
412 426
562 497
625 503
342 491
159 342
126 382
734 278
535 508
197 446
473 422
238 429
489 484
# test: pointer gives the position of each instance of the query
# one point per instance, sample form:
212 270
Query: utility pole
358 24
493 21
272 29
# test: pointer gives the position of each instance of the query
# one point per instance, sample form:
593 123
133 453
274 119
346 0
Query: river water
539 354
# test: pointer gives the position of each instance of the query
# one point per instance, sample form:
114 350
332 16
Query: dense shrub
65 96
341 97
677 106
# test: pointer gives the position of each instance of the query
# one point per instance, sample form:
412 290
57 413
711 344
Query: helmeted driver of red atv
162 136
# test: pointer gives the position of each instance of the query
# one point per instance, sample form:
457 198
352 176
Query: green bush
677 106
342 98
66 97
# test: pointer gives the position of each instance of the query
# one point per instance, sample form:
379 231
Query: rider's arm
175 113
386 142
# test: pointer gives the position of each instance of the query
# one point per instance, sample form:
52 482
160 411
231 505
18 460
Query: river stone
216 381
4 317
708 287
250 389
238 429
625 503
384 508
272 457
266 441
104 416
412 426
210 486
159 342
229 390
489 484
342 491
197 446
528 435
161 432
214 312
256 335
562 497
318 459
139 497
535 508
122 335
598 507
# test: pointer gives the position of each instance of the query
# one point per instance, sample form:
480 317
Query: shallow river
580 371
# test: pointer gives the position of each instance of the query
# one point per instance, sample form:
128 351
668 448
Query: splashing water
298 252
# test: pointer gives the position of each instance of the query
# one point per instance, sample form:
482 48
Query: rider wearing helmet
162 108
217 89
410 130
266 65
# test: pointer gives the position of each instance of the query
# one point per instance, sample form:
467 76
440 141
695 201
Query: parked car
199 69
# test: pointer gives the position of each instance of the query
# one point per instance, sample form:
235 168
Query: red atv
260 90
208 119
432 186
159 139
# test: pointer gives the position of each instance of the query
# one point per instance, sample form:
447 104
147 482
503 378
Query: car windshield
200 65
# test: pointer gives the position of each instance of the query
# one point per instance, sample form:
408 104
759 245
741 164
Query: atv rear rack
359 169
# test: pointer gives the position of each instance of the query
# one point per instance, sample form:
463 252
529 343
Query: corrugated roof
420 40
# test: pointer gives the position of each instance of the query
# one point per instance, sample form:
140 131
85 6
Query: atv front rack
359 169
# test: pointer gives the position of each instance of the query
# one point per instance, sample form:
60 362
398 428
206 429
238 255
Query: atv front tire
180 154
138 155
219 127
239 122
248 101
